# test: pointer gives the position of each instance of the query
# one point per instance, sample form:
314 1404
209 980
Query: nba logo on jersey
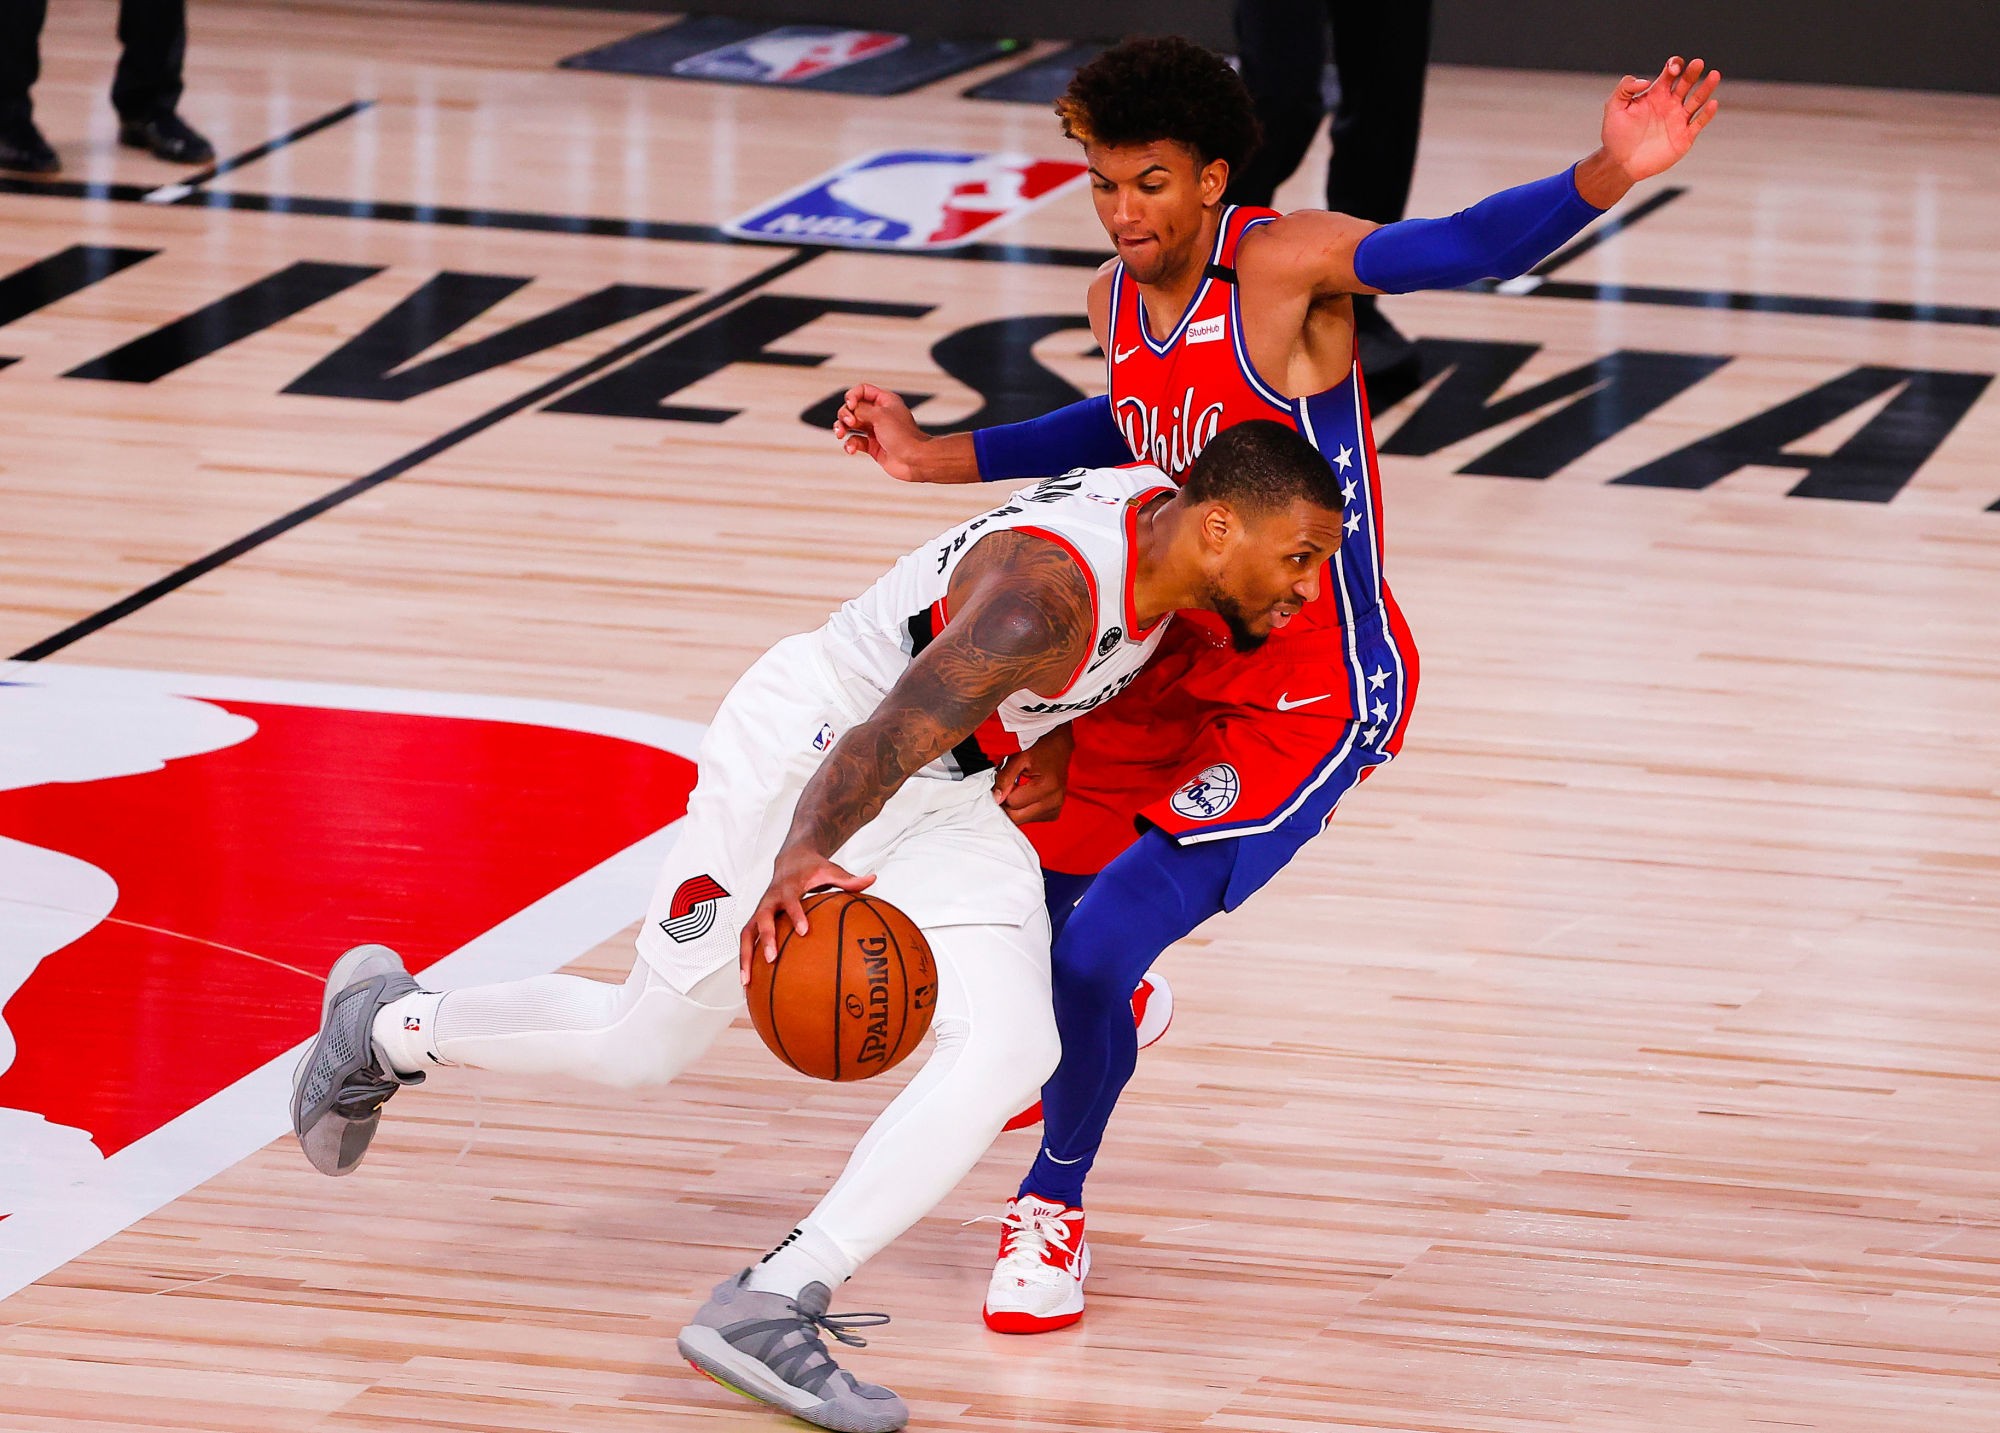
1210 794
823 738
909 199
183 858
789 54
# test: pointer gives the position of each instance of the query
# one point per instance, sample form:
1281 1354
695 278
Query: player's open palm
876 422
1650 124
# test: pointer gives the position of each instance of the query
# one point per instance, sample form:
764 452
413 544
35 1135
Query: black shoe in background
23 150
166 136
1389 361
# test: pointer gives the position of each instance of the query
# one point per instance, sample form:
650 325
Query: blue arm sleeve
1497 238
1083 435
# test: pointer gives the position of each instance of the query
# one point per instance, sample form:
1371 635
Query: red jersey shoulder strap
1239 220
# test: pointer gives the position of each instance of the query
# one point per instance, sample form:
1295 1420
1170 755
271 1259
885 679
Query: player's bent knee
1102 982
1000 1065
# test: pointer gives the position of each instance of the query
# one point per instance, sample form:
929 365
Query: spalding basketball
852 997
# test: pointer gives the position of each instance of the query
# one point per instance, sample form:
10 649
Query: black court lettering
269 301
60 275
1870 467
376 363
740 335
1598 400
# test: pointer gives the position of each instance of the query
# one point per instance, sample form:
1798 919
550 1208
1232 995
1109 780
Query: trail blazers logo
187 855
692 914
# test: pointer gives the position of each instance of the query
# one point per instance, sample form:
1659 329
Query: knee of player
1098 975
1005 1059
1034 1048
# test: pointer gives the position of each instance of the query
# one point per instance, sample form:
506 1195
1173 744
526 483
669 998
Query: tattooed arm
1022 619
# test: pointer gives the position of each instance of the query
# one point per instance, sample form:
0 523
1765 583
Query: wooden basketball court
1622 1058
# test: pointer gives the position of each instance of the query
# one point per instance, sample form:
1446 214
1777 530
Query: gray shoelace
806 1364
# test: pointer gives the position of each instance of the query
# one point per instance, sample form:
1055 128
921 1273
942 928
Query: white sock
804 1256
405 1032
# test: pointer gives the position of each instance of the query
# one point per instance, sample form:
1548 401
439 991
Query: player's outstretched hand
876 422
1650 124
797 872
1030 785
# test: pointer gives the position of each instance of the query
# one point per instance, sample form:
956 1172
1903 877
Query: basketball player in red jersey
1196 786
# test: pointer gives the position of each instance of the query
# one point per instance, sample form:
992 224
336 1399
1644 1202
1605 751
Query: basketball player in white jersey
977 646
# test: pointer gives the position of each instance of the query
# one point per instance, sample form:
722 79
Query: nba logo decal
789 54
1209 795
183 858
823 738
909 199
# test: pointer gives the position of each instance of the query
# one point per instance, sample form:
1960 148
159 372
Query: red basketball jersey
1172 395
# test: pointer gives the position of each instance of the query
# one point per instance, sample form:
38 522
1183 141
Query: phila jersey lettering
1172 395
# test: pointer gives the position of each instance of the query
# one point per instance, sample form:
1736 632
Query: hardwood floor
1621 1058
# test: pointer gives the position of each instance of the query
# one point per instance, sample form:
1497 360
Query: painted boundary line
991 253
179 578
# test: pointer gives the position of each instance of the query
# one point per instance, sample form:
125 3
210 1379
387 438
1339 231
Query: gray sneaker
340 1087
768 1347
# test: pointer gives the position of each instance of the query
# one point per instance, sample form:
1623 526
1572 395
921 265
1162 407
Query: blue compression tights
1109 931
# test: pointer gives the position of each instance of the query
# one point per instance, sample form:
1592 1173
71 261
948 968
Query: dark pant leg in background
20 56
1380 51
154 36
1282 47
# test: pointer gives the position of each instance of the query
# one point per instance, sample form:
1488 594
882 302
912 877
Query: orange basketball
851 998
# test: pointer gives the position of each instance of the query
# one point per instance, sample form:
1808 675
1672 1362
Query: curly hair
1167 88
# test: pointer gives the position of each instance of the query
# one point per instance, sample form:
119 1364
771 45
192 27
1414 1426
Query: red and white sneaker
1152 1013
1038 1280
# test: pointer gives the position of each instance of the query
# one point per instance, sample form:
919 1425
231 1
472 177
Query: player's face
1152 200
1268 566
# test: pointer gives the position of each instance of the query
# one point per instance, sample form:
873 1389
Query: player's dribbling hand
876 422
1650 124
796 873
1030 785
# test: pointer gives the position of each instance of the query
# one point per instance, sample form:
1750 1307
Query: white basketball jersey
1092 513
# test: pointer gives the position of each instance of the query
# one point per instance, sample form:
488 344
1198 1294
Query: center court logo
1209 795
909 199
789 54
184 855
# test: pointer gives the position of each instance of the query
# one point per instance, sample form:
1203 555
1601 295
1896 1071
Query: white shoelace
1030 1233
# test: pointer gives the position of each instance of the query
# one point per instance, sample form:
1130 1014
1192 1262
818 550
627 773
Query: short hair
1260 466
1168 88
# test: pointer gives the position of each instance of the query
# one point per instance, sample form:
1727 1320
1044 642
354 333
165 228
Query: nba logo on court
1210 794
909 199
788 54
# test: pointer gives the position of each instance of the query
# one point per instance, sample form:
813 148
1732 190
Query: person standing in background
1380 51
146 91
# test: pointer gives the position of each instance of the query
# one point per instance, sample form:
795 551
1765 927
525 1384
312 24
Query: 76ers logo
1174 448
1210 794
692 913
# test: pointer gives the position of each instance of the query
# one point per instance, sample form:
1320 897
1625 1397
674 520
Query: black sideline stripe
173 581
444 215
251 156
1609 229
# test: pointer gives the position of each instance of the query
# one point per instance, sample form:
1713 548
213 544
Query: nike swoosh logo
1119 355
1285 704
